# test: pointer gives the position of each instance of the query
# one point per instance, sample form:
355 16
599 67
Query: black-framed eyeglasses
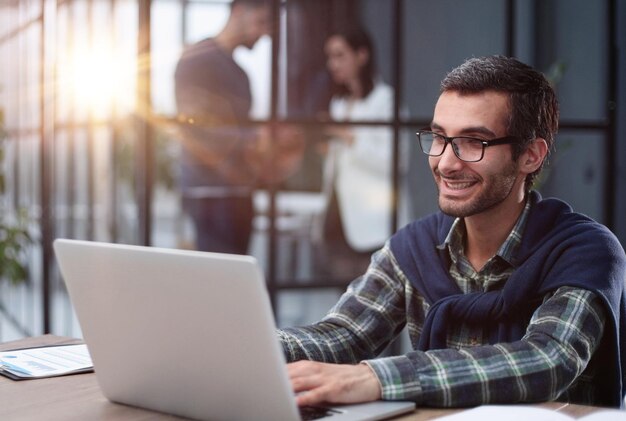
468 149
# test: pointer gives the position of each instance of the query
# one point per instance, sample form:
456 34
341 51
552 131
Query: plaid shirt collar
454 241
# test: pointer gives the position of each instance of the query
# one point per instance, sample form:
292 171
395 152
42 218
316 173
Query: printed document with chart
35 363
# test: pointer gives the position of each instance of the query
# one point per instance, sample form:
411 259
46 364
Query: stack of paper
35 363
525 413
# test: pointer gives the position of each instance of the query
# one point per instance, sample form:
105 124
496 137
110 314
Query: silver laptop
186 333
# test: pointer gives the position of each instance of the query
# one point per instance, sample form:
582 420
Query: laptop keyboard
316 412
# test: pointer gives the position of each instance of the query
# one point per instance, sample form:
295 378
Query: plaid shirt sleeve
559 342
365 319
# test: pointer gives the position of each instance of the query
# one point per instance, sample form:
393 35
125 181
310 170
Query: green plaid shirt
559 342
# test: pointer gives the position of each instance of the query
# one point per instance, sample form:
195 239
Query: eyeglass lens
465 148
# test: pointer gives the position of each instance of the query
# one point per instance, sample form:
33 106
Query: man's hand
333 383
277 153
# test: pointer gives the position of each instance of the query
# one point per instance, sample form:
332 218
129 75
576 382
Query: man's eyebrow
435 126
481 130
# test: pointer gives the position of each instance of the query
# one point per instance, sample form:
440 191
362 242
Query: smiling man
507 297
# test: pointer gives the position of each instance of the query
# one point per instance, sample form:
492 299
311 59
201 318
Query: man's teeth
459 185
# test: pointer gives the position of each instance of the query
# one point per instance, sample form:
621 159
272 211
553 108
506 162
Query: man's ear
533 157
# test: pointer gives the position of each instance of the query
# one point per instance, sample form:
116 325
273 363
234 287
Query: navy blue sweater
559 248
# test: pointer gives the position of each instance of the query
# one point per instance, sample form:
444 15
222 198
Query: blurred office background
88 126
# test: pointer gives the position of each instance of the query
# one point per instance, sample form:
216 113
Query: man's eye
471 143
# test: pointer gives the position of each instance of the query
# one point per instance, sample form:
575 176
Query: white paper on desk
46 361
525 413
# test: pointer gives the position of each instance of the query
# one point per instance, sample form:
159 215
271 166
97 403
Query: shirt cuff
397 377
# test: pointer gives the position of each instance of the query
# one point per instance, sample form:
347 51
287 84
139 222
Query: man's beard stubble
497 189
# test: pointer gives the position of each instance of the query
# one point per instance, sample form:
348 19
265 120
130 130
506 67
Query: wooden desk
78 397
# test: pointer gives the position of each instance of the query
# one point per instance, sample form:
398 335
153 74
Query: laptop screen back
187 333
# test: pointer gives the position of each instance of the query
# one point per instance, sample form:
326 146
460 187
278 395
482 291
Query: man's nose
448 161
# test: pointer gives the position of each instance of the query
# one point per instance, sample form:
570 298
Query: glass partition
93 137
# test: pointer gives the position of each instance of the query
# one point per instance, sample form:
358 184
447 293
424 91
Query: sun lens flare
98 80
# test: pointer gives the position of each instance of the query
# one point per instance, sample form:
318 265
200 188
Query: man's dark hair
534 109
357 38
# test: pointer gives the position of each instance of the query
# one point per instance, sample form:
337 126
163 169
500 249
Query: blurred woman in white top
357 173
